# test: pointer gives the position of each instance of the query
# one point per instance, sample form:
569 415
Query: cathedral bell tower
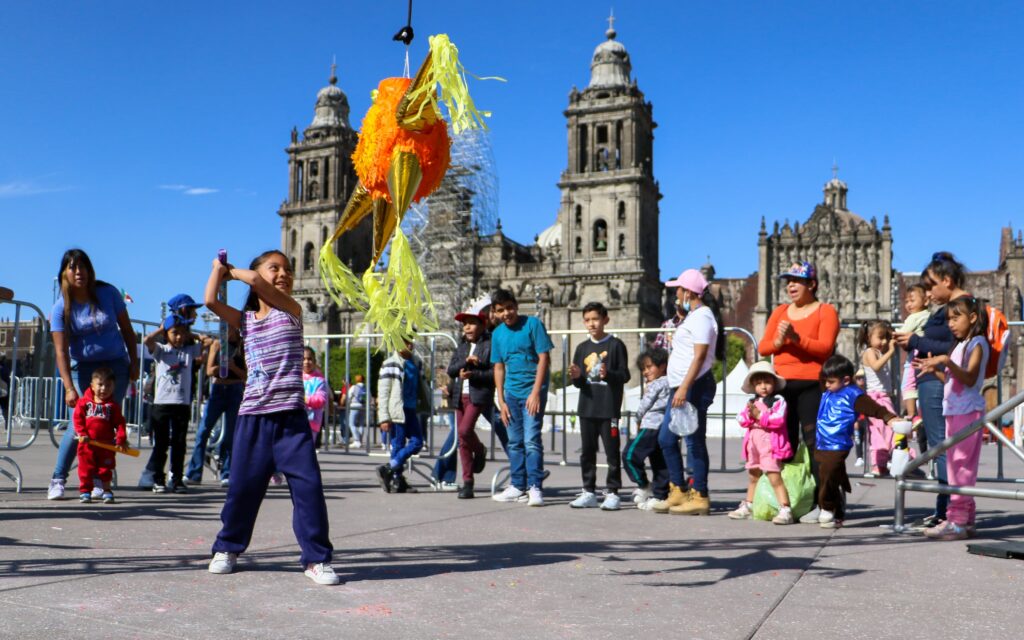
609 207
320 180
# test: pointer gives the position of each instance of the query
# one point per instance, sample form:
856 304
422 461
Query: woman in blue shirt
90 329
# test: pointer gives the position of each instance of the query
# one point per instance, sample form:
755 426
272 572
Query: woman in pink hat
697 342
471 392
801 335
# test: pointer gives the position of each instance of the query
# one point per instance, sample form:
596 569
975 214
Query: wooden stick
109 447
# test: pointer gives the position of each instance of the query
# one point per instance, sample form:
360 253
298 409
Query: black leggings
802 400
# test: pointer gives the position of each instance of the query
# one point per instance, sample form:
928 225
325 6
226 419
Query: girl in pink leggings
962 404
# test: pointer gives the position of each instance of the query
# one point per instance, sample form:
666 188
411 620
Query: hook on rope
405 34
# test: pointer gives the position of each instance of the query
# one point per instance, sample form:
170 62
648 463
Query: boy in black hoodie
600 369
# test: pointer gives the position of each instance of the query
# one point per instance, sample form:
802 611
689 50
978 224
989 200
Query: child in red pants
97 417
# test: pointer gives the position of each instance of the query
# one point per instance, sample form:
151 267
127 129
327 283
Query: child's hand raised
222 269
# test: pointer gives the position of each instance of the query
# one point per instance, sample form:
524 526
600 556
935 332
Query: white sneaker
648 504
97 488
322 573
859 462
742 512
825 517
446 486
812 517
356 445
536 497
510 494
785 516
56 490
225 483
586 500
641 495
223 562
611 502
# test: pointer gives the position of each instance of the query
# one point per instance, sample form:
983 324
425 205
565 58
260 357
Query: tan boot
676 497
695 505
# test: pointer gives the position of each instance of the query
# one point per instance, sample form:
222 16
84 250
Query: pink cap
691 280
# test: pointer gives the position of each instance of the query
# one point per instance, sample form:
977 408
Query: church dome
331 110
610 66
550 237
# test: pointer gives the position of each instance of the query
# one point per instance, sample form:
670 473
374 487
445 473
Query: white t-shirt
698 328
174 373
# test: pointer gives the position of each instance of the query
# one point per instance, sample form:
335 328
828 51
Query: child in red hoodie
96 417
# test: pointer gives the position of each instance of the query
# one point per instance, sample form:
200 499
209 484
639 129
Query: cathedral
603 245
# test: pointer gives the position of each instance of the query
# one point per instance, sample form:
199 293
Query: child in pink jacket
315 388
765 444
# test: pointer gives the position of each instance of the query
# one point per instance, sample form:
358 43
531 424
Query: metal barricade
903 485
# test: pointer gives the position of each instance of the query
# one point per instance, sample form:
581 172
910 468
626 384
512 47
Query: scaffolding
443 229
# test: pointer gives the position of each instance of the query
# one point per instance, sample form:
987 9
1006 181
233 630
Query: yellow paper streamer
450 77
400 305
339 280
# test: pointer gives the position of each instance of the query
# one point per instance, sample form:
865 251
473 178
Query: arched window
299 181
601 236
327 178
307 257
294 241
579 217
293 264
579 246
622 214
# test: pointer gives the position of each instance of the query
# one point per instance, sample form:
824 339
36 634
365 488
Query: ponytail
709 300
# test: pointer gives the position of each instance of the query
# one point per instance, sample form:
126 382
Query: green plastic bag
796 475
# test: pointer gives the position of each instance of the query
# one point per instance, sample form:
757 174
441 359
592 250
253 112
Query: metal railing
903 485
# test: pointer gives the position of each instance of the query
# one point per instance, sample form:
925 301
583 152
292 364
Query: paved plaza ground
431 566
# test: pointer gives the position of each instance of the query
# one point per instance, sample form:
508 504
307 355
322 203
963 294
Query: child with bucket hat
765 443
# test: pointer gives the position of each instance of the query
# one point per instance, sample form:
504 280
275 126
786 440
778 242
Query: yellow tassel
450 76
400 306
339 280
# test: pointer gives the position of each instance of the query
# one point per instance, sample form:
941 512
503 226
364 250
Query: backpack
998 337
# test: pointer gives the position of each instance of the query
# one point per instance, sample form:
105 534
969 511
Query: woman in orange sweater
801 335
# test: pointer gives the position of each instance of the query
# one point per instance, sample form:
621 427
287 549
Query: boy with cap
175 360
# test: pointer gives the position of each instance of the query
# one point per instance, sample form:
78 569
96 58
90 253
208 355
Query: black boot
479 460
466 490
401 486
385 474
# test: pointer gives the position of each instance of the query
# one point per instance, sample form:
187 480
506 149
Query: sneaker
536 497
642 494
948 530
322 573
159 488
742 512
831 524
223 562
611 502
97 488
277 478
695 505
85 498
811 517
56 490
586 500
785 516
446 486
403 486
657 506
192 481
108 497
356 445
510 494
648 504
178 487
859 462
225 483
385 474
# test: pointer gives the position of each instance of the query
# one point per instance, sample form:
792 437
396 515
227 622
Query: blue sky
152 134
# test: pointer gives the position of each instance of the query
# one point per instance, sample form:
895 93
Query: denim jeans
406 439
81 373
225 399
525 447
929 399
447 465
700 395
